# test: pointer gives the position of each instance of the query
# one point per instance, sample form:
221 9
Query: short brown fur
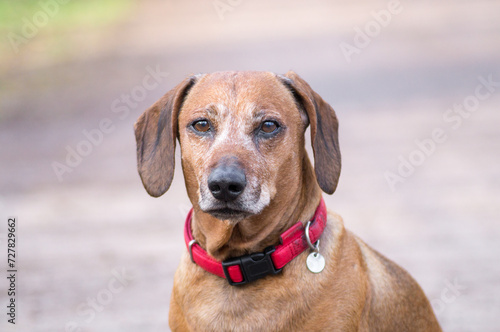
359 290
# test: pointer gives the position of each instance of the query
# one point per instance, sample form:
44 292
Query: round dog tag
315 262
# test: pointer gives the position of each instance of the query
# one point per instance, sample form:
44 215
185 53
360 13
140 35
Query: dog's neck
223 238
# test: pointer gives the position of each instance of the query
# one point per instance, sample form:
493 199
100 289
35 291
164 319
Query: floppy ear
324 131
155 134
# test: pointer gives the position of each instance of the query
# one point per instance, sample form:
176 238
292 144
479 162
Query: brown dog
250 180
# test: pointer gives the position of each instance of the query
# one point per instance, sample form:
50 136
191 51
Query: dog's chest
227 313
216 306
234 309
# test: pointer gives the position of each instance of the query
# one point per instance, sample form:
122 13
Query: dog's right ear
155 134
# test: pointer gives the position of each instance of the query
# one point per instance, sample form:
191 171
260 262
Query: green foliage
72 15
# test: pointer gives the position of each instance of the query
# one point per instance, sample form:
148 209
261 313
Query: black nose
227 182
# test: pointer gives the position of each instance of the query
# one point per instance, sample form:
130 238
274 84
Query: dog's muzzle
227 182
230 193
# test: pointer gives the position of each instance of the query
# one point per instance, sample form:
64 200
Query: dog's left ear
324 131
155 134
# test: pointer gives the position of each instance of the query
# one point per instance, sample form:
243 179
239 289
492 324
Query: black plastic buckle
253 266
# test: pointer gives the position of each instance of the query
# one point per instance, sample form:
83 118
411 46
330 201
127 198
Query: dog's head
242 140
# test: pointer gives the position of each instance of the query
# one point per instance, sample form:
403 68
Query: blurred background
416 88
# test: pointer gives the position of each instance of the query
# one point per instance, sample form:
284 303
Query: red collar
244 269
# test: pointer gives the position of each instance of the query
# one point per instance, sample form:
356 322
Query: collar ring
190 246
314 247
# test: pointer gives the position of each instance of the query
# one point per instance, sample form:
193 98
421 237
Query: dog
262 251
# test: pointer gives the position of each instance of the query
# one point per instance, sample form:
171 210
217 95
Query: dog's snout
227 182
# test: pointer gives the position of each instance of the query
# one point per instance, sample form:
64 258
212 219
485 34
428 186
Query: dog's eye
269 127
201 126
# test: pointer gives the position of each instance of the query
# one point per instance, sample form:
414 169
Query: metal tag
315 262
